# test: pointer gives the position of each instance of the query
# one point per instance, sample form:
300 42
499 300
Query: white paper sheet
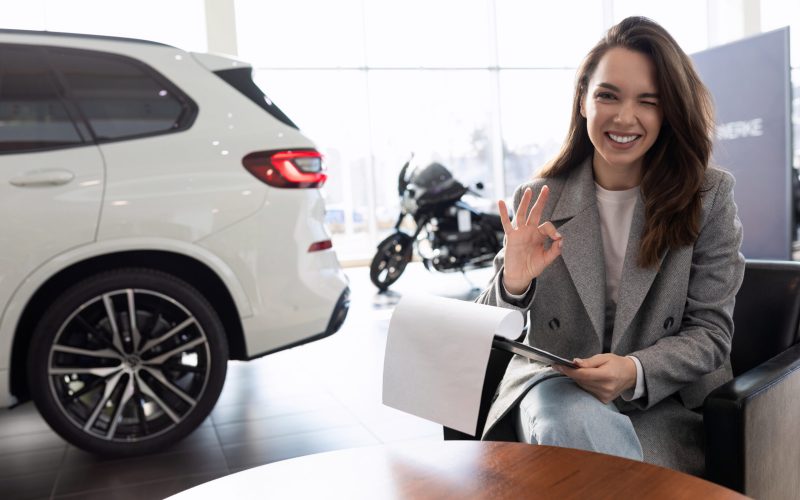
436 356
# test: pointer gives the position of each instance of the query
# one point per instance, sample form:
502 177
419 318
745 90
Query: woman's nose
625 114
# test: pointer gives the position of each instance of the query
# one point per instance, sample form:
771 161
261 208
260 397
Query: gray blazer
676 318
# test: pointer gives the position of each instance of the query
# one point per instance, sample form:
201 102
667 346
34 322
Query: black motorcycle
450 235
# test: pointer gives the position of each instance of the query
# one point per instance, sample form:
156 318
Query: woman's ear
583 105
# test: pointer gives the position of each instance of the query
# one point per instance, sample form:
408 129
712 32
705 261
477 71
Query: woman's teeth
623 139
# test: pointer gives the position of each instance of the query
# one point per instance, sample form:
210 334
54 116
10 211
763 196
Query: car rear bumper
339 313
292 290
334 324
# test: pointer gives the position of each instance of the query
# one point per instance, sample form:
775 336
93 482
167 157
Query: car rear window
242 80
32 113
120 97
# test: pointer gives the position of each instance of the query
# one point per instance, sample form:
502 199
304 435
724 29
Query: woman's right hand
525 253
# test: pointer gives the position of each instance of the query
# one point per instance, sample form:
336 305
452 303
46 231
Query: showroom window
686 20
177 22
481 86
534 122
528 37
141 103
32 115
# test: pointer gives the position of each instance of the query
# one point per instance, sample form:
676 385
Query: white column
608 14
730 20
496 131
221 26
752 17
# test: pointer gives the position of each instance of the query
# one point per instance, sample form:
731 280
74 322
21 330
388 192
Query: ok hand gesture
525 253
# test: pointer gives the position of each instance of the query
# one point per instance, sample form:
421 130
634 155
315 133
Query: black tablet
530 352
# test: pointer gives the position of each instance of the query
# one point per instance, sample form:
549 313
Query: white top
616 214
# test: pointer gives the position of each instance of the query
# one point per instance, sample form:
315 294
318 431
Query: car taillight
287 169
320 245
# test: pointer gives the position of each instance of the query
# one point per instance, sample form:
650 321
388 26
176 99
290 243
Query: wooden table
458 470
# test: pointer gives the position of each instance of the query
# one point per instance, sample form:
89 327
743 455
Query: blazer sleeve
703 342
495 294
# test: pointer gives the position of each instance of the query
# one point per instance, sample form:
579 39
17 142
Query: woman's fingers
546 229
549 230
553 252
501 205
538 207
523 207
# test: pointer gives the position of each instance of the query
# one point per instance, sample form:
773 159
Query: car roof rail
81 35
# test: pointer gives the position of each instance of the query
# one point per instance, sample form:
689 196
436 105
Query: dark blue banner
750 82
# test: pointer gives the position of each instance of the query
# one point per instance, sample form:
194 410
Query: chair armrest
751 426
495 369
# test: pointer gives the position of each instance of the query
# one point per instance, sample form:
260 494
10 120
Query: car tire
122 384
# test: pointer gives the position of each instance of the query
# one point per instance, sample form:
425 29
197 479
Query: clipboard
529 352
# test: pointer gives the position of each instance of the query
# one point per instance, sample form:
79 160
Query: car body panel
291 289
43 221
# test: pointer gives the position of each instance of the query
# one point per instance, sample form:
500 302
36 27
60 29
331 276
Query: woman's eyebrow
611 86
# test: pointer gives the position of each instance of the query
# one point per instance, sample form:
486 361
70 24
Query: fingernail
558 235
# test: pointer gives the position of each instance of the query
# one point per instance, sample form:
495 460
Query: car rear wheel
127 362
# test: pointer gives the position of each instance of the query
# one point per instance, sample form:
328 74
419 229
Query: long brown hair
674 168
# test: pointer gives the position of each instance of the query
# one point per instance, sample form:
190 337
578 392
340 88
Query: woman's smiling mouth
622 139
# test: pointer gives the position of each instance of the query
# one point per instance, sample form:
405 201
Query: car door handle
43 178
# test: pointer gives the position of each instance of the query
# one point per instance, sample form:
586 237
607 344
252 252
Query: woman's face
623 116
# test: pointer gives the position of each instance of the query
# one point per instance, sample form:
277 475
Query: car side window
32 114
121 98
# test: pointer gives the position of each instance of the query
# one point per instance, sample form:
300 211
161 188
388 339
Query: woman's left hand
605 376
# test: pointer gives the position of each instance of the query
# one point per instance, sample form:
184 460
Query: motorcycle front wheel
393 254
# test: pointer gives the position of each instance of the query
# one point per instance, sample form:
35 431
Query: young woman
628 261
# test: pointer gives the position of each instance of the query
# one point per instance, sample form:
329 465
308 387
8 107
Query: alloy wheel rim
129 365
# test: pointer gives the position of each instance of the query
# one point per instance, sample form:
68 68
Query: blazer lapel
583 245
636 281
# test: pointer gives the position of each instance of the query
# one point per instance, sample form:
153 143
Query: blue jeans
557 412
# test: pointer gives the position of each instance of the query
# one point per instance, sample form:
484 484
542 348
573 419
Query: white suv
159 216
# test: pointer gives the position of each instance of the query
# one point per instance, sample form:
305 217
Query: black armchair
751 422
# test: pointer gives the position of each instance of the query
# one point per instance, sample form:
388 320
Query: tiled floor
318 397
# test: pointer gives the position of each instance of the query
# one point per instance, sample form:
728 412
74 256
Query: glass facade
481 86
